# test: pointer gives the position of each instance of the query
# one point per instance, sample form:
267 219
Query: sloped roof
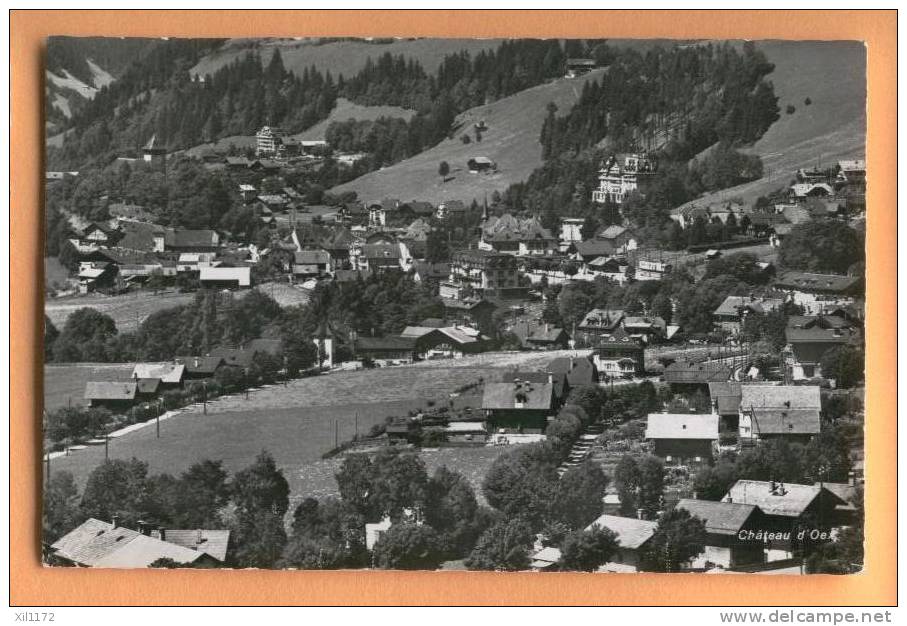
190 238
432 270
809 281
787 499
595 248
733 305
309 257
529 332
682 426
147 385
817 321
537 396
580 371
110 390
385 343
381 251
98 544
727 396
611 232
696 373
780 396
212 542
240 274
168 373
204 365
139 235
774 421
631 533
558 380
604 319
721 518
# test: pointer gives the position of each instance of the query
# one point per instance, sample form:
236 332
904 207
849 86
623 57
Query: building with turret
619 176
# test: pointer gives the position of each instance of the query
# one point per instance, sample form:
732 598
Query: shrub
790 109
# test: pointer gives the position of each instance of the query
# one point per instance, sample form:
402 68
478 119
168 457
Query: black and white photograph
589 305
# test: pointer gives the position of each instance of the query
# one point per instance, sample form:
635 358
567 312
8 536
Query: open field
65 384
345 110
339 57
128 310
832 127
511 141
295 422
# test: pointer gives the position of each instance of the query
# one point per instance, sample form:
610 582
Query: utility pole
357 424
106 447
204 397
47 471
336 433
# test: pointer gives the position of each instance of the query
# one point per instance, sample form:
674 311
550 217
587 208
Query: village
629 376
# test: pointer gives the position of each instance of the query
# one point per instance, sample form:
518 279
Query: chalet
470 312
579 67
725 398
243 356
385 351
311 263
805 348
100 544
591 249
98 234
613 268
482 273
274 203
561 388
645 329
617 355
214 543
683 438
466 432
852 172
153 152
845 514
170 374
651 270
191 240
620 237
580 371
481 164
518 406
509 235
802 191
450 209
381 214
633 537
200 367
194 261
248 192
350 277
96 275
725 524
225 277
142 236
448 341
688 375
338 246
818 292
545 559
540 336
787 508
418 208
381 257
597 323
116 396
423 271
571 230
147 389
730 314
790 412
265 165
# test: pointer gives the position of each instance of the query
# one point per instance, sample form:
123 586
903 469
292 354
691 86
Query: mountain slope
339 57
833 76
511 141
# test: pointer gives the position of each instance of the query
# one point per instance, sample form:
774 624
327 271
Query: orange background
33 585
